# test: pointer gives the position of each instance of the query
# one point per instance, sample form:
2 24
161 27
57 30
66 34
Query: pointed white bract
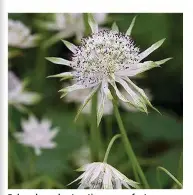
71 23
79 96
36 134
100 175
131 108
110 57
17 95
20 36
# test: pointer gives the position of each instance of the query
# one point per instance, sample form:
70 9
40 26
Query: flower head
16 94
108 57
99 175
20 36
37 134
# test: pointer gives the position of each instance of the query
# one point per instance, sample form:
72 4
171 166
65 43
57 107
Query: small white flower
99 175
37 134
108 57
131 108
16 94
71 23
20 36
79 96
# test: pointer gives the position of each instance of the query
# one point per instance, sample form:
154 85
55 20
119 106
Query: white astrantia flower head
37 134
71 23
100 175
108 57
17 96
20 36
79 96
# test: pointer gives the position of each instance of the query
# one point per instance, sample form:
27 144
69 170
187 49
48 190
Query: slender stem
108 126
109 147
94 133
127 145
169 174
100 144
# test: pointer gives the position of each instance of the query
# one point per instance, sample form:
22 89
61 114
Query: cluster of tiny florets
101 55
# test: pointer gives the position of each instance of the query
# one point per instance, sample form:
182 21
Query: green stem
128 146
94 134
100 144
109 147
108 125
169 174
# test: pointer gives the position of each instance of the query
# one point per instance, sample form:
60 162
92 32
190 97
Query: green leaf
154 126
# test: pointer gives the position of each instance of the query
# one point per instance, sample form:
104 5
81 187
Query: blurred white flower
99 175
16 94
37 134
71 23
82 156
79 96
131 108
20 36
105 58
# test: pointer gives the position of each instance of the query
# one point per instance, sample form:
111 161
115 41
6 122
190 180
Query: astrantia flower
17 96
99 175
108 57
69 24
79 96
20 36
37 134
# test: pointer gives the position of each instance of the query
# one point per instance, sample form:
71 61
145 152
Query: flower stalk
94 134
127 144
109 147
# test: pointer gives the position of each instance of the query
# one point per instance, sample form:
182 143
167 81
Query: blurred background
157 139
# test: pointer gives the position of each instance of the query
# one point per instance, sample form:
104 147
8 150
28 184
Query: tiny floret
100 175
36 134
108 57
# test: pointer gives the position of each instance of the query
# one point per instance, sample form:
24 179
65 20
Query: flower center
101 55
